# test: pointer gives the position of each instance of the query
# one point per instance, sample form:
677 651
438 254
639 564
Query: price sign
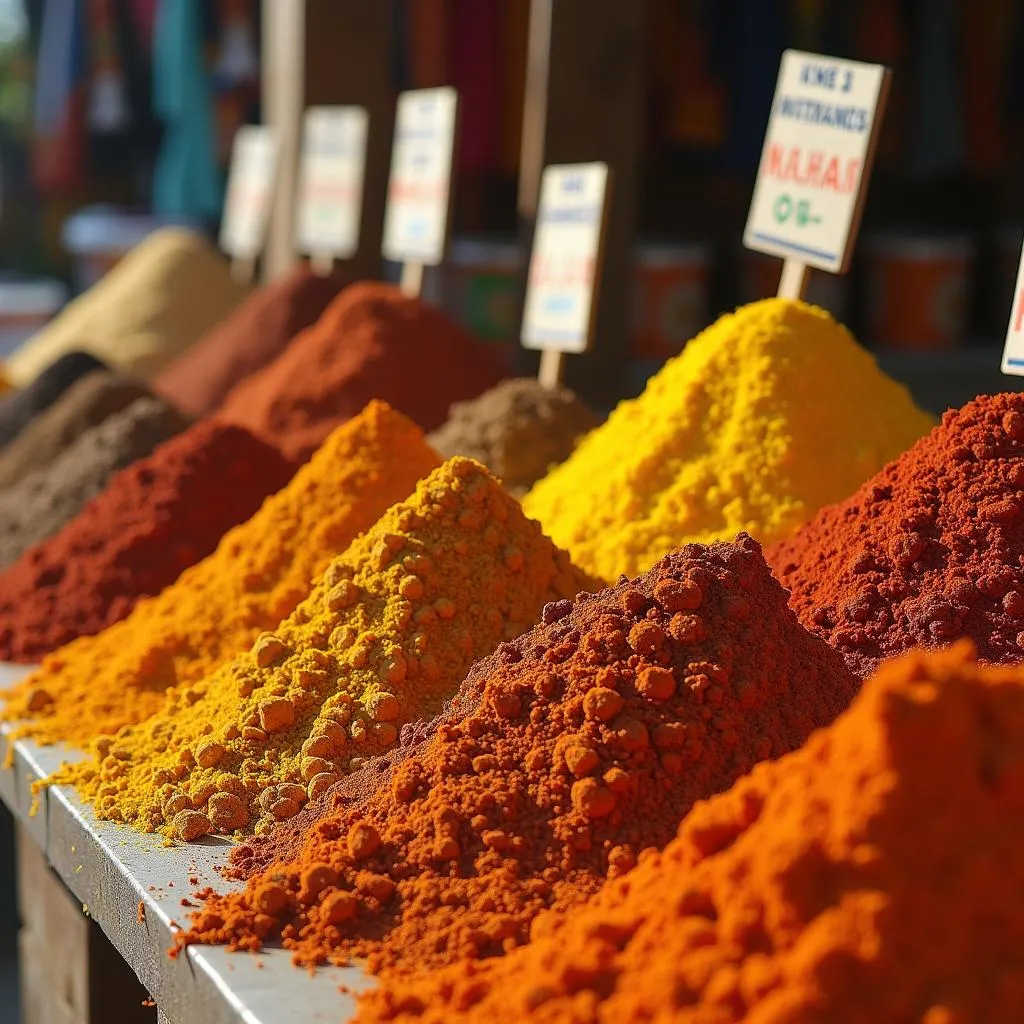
816 160
250 193
1013 350
331 172
559 310
416 219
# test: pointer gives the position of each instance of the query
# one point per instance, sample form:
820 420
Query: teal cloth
186 180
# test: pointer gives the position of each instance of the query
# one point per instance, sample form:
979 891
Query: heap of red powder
565 756
929 550
155 519
372 342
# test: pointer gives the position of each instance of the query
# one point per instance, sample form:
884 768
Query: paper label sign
416 219
330 196
559 308
250 192
816 159
1013 350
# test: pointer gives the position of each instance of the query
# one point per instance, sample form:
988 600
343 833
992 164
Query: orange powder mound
258 574
877 874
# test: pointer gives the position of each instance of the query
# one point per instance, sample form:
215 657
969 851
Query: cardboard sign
816 160
1013 350
330 196
416 219
250 192
566 258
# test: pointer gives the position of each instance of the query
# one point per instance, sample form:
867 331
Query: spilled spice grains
384 638
929 550
567 754
876 874
766 416
258 574
155 519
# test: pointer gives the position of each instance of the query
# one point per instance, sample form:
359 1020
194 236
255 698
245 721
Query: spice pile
518 430
155 519
567 755
874 875
19 408
372 342
85 404
929 550
254 334
42 503
769 414
258 574
163 296
384 638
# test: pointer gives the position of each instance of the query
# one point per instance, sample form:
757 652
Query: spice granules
258 574
769 414
155 519
877 874
927 551
384 638
567 754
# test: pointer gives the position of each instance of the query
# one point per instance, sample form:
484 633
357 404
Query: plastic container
670 298
759 276
918 290
25 307
480 286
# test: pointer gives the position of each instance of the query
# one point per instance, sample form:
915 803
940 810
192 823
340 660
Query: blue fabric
186 180
60 64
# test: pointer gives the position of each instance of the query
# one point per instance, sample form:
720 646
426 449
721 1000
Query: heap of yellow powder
384 638
766 416
258 574
160 299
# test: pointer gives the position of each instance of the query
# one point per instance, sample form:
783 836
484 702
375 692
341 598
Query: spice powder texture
929 550
876 874
568 753
258 574
766 416
384 638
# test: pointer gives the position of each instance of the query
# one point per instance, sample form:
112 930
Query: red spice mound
877 874
254 334
566 754
928 550
155 519
372 342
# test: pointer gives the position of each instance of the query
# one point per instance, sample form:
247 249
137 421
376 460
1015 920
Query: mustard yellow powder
766 416
385 636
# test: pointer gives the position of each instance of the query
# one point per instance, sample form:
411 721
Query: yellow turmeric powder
766 416
258 574
385 636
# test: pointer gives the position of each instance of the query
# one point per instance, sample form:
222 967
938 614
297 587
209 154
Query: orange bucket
670 298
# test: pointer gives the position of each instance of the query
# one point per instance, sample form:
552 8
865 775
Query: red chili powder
928 550
258 331
155 519
876 874
566 754
372 342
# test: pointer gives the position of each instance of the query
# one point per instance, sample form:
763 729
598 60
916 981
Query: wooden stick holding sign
418 213
330 197
250 193
565 265
816 163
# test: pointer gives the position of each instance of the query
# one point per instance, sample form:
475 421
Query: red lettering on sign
1018 320
815 169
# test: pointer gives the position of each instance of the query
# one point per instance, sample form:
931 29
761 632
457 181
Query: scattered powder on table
371 342
19 408
258 574
384 638
88 402
163 296
764 417
929 550
518 430
877 874
42 503
254 334
155 519
567 754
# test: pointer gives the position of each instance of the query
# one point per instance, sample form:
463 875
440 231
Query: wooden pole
793 282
